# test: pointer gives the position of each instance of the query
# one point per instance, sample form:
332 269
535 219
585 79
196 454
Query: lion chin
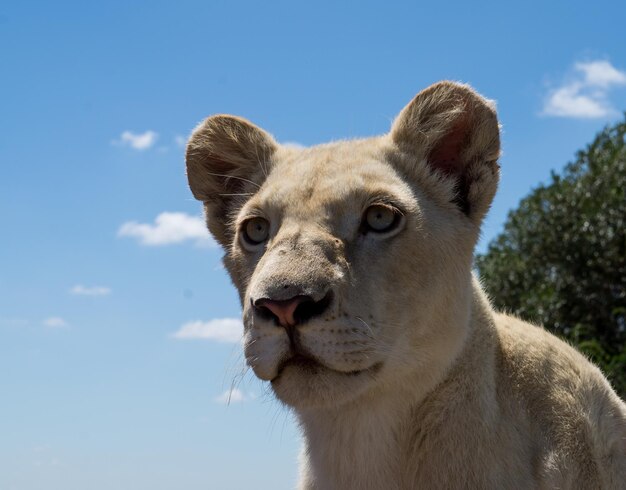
304 383
353 263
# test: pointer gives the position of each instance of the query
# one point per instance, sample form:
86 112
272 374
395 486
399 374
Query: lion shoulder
569 406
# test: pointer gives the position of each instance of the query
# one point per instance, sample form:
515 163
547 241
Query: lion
353 262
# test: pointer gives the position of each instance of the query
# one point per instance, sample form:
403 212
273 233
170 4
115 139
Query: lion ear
227 159
455 132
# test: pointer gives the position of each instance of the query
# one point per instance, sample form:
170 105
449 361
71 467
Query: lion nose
293 311
284 310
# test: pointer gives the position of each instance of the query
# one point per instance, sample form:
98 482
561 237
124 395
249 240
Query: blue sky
117 323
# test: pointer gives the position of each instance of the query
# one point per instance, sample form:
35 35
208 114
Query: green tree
561 259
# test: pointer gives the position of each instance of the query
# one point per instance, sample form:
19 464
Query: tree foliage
561 259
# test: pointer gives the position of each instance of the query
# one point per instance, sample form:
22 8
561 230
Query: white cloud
585 95
180 140
293 144
227 330
81 290
55 322
137 141
233 395
601 73
568 101
168 228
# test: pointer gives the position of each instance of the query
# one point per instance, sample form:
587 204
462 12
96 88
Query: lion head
352 259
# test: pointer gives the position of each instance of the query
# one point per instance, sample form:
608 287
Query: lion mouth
312 366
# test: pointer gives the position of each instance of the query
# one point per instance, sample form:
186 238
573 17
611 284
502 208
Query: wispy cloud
227 330
137 141
81 290
168 229
55 322
293 144
180 141
585 94
234 395
45 456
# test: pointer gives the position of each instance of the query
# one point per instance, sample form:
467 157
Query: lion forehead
333 179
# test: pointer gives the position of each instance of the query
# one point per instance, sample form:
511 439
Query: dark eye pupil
255 231
380 218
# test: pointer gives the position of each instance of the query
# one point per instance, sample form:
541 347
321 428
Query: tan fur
417 383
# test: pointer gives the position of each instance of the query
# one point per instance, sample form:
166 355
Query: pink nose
283 310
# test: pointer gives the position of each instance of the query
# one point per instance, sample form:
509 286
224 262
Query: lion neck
373 433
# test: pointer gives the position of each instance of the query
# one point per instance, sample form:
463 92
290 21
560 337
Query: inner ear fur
454 131
227 160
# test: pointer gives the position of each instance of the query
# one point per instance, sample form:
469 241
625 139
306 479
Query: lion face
347 255
338 218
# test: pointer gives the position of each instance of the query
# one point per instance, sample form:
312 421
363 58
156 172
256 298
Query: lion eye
380 218
255 231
